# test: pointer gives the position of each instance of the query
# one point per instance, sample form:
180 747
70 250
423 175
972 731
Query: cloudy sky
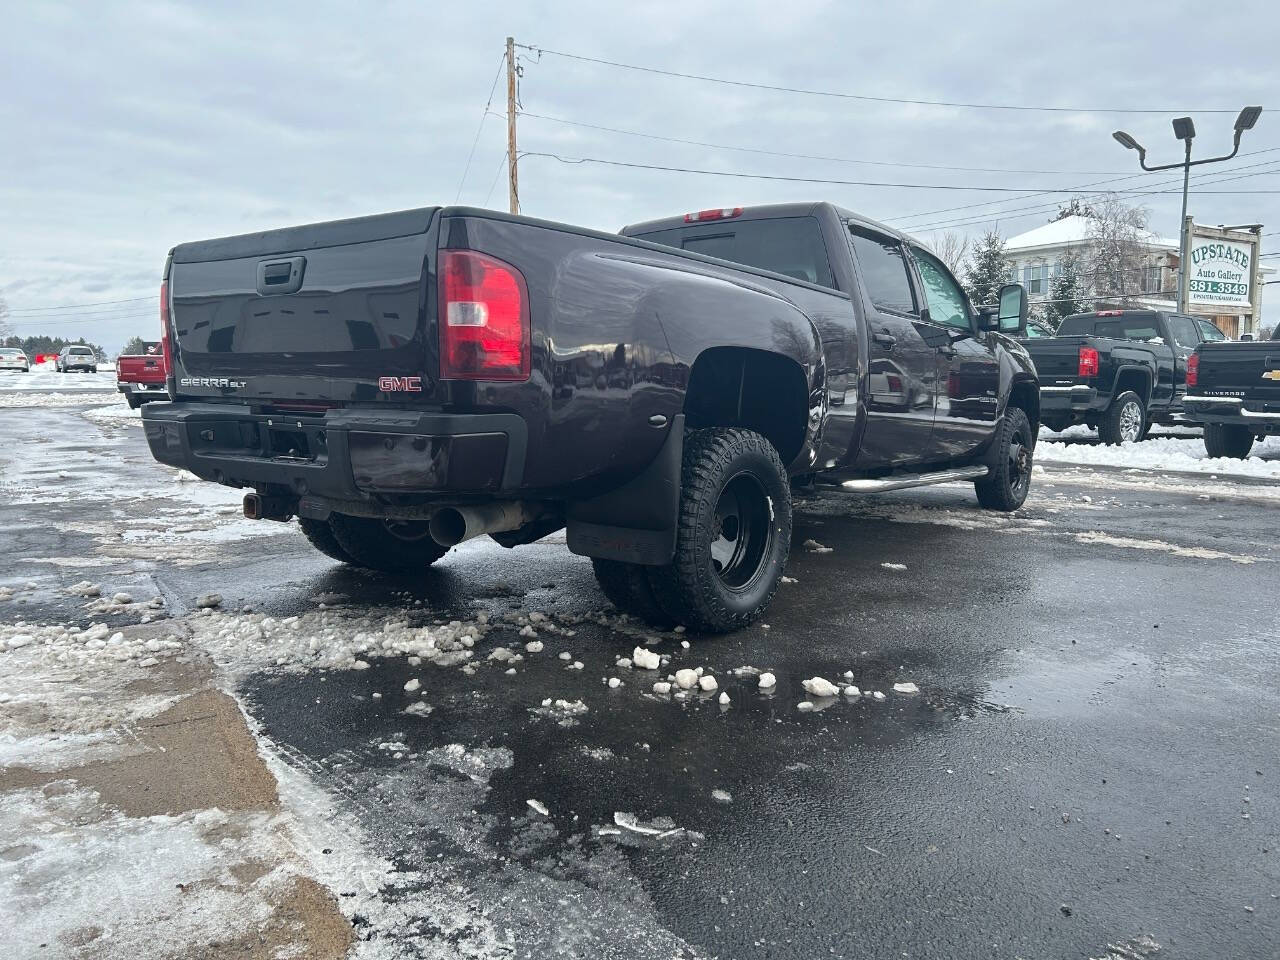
128 127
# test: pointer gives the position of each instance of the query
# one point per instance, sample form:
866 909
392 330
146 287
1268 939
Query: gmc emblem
400 384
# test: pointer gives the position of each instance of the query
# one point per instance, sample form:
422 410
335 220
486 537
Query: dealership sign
1221 272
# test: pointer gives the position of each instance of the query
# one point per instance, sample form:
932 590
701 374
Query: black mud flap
636 523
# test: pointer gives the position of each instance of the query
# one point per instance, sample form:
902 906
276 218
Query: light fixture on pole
1185 130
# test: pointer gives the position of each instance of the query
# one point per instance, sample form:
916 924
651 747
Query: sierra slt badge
400 384
221 382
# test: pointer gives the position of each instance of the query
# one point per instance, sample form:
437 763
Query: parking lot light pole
1185 130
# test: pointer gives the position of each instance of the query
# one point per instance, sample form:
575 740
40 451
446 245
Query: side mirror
1013 309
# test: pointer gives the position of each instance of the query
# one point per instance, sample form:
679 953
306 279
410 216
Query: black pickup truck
1118 371
404 382
1233 388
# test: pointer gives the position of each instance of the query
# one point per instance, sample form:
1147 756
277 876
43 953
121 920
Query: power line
77 306
1133 176
864 183
540 51
796 156
480 128
1016 213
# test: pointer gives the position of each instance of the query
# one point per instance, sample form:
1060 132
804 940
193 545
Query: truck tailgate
322 312
1057 359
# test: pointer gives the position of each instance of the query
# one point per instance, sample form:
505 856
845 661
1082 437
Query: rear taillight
724 213
165 331
1088 362
1193 369
484 318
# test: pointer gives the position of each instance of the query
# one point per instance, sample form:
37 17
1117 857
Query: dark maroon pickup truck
404 382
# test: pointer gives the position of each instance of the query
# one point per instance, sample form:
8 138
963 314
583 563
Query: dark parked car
1233 388
76 357
1119 371
404 382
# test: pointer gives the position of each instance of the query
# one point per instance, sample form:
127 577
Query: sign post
1221 273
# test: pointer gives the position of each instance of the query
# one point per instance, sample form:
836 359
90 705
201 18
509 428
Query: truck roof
771 211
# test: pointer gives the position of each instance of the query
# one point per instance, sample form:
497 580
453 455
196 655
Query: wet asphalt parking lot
1089 770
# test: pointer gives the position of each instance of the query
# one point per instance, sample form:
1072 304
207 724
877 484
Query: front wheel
1006 486
1228 440
733 535
393 546
1125 420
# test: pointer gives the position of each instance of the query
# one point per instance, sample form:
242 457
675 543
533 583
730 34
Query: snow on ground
73 867
44 377
1163 453
22 398
113 413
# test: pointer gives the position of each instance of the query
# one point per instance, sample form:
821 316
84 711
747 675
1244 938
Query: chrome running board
903 481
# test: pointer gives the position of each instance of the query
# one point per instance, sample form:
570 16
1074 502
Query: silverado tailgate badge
400 384
1271 375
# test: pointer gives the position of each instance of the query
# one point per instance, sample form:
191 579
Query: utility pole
513 183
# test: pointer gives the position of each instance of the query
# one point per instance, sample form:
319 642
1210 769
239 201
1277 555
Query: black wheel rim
409 531
741 532
1020 463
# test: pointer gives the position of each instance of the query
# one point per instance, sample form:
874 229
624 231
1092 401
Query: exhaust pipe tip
448 527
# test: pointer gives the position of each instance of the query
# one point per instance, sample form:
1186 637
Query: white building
1035 259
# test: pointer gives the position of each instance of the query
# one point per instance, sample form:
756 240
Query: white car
12 359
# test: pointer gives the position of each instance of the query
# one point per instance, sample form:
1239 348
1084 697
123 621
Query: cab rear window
791 246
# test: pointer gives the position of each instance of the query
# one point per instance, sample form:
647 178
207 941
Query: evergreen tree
1069 292
988 269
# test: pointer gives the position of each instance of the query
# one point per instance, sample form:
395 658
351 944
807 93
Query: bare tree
952 249
5 329
1120 245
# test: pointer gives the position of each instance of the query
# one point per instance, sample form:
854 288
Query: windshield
792 246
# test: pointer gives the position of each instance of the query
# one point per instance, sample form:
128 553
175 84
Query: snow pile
1166 453
645 659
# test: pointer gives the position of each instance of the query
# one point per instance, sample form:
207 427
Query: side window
1184 331
884 271
943 296
1209 331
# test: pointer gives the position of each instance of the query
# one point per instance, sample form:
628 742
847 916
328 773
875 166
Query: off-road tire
692 589
320 535
1228 440
1115 426
1006 486
370 543
627 587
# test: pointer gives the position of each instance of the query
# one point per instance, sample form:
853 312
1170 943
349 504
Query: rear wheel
320 535
1228 440
1125 420
627 587
1006 486
133 402
394 546
734 532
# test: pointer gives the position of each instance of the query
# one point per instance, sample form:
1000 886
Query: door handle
947 351
277 277
886 340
